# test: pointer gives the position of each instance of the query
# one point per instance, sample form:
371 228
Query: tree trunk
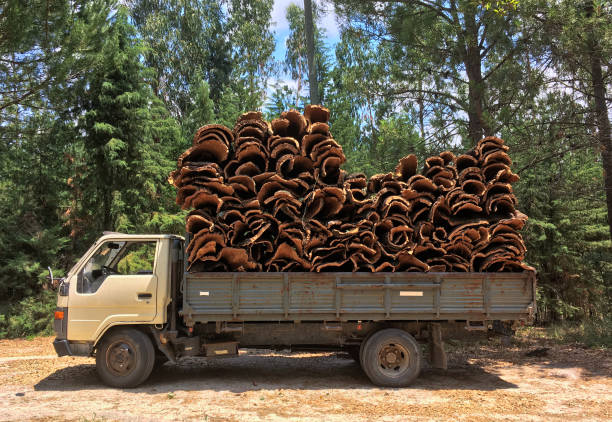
604 131
312 72
421 111
477 127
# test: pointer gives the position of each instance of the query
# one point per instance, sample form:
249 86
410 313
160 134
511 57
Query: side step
475 326
224 349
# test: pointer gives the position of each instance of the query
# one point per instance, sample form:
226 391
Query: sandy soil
484 382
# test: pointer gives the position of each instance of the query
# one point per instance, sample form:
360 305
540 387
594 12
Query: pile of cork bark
272 196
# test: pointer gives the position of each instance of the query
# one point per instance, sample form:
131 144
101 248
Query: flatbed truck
130 302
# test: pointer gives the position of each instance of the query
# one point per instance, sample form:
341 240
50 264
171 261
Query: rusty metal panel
311 292
362 301
260 293
414 299
461 295
214 294
357 296
509 294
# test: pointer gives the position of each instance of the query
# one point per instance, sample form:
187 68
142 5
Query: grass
596 333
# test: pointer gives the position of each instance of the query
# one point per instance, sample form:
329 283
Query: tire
362 347
125 358
391 358
361 350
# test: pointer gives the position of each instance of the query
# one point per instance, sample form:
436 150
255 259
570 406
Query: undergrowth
594 332
30 317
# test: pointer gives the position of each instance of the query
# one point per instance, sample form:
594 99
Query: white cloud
279 21
328 22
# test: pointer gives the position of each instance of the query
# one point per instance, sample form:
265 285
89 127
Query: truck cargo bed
307 296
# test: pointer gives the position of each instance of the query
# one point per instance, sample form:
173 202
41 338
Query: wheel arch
144 328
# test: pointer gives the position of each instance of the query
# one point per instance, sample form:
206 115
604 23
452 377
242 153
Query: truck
130 302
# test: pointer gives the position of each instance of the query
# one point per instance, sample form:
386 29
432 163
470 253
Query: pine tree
46 47
203 110
126 135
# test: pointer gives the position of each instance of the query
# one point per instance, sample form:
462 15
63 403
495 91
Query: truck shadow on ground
271 372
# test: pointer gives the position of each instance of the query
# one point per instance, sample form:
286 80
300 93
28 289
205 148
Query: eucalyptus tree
310 52
252 44
185 42
460 61
296 61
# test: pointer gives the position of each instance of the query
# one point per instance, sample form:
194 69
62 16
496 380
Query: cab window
112 258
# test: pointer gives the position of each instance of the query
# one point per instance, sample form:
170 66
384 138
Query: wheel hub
120 358
393 358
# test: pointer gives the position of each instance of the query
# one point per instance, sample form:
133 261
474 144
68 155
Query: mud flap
437 355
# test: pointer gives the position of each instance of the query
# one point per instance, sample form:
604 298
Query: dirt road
484 382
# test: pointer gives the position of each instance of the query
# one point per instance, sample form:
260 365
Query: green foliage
592 332
166 222
500 6
30 316
561 190
97 102
27 253
45 43
127 134
296 62
252 47
184 43
395 138
139 257
452 63
282 98
203 111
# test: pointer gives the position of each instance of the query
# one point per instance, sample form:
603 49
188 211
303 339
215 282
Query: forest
98 98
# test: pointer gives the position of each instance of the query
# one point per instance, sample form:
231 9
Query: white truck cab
122 279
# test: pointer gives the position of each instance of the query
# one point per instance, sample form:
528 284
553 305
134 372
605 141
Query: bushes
31 316
591 332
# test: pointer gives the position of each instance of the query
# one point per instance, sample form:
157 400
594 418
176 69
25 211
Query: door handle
143 296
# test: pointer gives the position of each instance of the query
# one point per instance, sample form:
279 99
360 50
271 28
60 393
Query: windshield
116 257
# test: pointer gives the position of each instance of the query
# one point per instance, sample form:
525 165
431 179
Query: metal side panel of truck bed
244 296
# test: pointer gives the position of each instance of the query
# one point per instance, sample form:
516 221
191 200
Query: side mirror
54 282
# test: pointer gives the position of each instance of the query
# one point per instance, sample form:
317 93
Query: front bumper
62 347
65 348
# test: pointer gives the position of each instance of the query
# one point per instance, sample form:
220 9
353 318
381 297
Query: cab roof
118 235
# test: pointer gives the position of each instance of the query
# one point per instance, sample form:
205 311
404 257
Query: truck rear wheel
125 358
391 358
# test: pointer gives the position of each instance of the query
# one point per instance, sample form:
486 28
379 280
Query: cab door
117 284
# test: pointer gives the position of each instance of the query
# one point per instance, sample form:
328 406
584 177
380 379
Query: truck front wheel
125 358
391 358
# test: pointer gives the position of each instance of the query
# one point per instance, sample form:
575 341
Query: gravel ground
485 381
